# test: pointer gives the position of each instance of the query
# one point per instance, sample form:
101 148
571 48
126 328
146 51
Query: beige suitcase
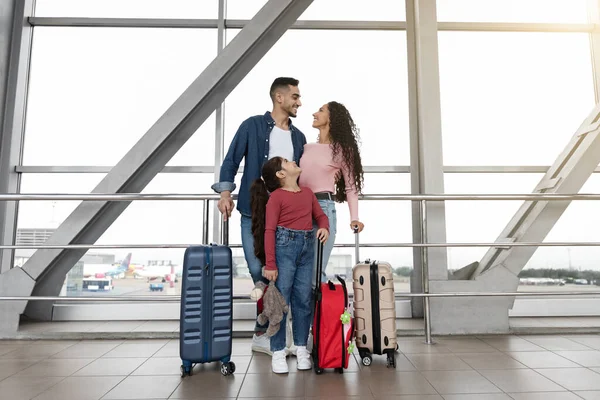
374 310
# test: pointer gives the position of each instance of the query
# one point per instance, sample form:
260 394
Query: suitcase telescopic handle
225 232
356 245
319 272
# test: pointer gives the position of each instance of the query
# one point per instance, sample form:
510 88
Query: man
258 139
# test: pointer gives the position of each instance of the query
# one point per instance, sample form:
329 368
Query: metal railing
424 245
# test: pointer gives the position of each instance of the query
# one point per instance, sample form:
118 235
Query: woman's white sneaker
303 358
279 363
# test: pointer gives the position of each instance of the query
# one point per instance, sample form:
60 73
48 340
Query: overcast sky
507 99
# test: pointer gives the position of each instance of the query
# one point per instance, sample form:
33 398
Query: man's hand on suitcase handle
357 224
270 274
322 235
225 204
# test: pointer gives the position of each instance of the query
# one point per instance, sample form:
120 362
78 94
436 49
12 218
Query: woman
332 168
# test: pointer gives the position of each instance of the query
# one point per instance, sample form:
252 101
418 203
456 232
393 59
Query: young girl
284 241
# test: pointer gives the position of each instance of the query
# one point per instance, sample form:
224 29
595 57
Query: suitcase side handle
356 245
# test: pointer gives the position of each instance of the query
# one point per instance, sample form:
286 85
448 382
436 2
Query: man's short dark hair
282 83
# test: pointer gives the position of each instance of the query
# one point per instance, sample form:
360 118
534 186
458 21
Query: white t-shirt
280 144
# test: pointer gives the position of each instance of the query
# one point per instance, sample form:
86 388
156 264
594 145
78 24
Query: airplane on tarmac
121 269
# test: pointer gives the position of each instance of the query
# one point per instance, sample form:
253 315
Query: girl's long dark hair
259 195
344 139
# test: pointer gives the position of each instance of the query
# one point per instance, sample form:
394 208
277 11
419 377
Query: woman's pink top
319 170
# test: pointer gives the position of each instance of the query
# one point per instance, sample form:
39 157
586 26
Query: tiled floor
466 368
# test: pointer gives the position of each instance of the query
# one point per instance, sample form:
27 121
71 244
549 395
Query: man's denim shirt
252 141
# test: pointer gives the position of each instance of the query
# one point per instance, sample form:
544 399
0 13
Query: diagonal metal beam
151 153
535 219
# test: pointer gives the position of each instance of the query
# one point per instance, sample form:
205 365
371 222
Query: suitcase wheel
318 370
339 370
391 360
367 360
185 371
227 368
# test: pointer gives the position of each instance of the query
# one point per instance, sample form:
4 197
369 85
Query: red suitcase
333 325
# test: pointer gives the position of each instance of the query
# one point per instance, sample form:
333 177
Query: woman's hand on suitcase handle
270 274
357 224
322 235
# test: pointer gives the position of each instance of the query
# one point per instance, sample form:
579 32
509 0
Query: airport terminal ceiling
516 80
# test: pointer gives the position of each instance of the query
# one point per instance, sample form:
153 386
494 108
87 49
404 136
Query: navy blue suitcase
206 318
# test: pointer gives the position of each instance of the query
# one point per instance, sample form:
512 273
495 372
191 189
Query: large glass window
480 220
127 8
327 63
143 222
579 223
483 221
558 11
99 90
377 10
512 98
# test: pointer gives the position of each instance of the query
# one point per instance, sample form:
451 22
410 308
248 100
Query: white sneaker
261 344
278 363
303 355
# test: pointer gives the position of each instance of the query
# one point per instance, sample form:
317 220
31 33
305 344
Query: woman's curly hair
344 139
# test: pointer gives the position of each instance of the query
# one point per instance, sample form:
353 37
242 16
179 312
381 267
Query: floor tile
209 385
478 396
520 380
589 395
410 397
586 358
160 366
467 345
343 385
80 388
573 378
144 387
86 350
418 347
37 351
111 367
10 367
511 343
171 349
490 361
404 384
454 382
26 387
591 341
7 348
545 396
56 367
368 396
273 385
542 359
437 362
556 343
134 350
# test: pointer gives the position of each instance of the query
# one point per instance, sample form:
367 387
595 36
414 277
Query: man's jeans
294 253
254 264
